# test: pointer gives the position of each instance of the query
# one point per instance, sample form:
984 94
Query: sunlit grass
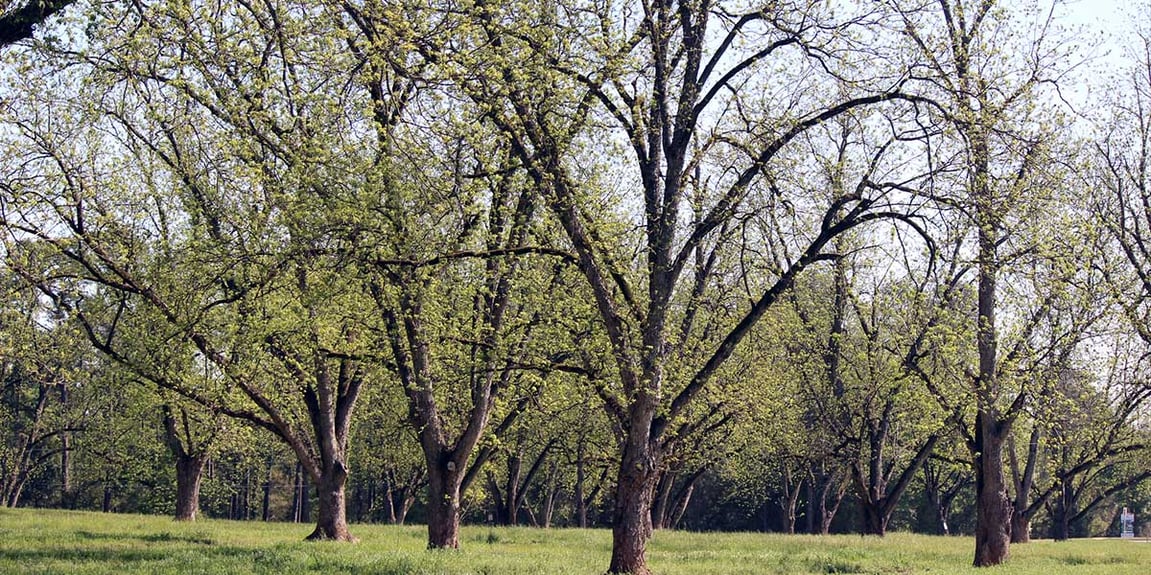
43 541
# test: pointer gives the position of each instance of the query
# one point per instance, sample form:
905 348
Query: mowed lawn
46 541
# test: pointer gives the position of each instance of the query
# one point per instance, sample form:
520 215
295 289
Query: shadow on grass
112 555
161 537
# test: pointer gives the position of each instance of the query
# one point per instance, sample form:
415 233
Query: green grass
44 541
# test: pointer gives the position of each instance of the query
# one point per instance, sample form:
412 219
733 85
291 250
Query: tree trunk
1020 528
635 491
13 497
443 505
332 520
581 478
499 515
822 486
790 501
1061 515
552 493
681 507
189 470
390 502
248 495
1024 480
827 512
659 510
406 503
811 519
299 494
507 511
305 500
65 457
874 519
993 506
1060 523
266 503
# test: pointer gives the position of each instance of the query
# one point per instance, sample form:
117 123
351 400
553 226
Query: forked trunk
1024 480
189 470
332 520
635 492
443 506
993 506
790 502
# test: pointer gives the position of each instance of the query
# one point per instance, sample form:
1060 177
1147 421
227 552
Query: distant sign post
1127 524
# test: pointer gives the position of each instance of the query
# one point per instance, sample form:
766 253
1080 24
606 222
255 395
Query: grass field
43 541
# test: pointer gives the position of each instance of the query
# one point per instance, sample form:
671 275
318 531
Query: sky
1106 29
1112 19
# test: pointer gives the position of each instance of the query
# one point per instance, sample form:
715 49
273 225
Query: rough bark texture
443 506
189 470
635 491
1020 528
993 504
332 520
993 509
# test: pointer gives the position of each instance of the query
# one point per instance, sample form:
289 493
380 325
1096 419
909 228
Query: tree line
578 259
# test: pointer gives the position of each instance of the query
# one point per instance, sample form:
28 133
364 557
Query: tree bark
993 506
791 493
189 470
332 520
1064 509
635 491
443 505
660 502
1024 480
65 456
1020 528
266 502
552 491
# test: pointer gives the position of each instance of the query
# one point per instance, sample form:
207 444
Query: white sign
1127 524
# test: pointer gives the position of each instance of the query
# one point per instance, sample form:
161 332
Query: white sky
1109 21
1105 33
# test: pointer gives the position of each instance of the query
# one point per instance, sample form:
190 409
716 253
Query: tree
465 309
391 471
662 86
225 224
944 479
191 445
990 104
